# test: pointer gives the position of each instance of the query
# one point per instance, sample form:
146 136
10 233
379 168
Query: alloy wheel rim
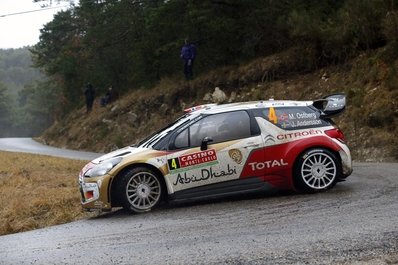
143 190
318 170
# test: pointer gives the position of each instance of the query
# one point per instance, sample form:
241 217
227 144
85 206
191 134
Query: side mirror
205 142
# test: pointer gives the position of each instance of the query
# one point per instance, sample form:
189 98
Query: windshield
160 134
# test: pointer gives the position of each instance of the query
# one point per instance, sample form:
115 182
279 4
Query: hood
119 153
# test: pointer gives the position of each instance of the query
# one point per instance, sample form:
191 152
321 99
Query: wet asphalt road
354 223
28 145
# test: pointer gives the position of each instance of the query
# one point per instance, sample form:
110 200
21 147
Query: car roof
215 108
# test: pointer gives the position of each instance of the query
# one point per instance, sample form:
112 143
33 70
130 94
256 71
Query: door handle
251 144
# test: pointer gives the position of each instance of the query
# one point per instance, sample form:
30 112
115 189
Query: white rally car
224 149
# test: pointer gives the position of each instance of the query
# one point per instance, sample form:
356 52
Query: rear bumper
346 160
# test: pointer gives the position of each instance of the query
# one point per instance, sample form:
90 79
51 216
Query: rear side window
292 118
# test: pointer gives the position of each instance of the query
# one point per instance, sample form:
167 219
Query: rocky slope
370 122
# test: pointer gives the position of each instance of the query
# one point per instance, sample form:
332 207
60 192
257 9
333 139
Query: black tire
316 170
139 189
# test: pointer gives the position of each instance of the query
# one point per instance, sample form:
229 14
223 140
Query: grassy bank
37 191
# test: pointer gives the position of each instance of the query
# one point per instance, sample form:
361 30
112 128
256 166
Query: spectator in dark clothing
188 54
109 96
89 92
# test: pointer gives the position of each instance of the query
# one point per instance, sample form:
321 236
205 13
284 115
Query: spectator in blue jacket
188 54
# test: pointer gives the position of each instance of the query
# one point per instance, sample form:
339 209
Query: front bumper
94 193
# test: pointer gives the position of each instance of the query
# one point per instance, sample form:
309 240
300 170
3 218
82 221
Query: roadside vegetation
23 100
253 49
134 45
250 49
370 122
37 191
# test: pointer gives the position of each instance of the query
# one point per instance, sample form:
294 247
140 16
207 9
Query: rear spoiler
331 105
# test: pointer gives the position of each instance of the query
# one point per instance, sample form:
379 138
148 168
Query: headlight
103 168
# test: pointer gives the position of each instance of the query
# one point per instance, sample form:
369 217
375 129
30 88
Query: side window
181 140
221 127
292 118
205 127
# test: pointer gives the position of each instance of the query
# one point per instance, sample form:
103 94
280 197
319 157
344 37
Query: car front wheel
316 169
139 190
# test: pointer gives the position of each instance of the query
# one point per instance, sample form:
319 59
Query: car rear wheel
316 169
139 190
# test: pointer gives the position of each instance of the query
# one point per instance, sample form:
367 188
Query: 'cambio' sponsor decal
200 158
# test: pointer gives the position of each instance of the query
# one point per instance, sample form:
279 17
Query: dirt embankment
370 122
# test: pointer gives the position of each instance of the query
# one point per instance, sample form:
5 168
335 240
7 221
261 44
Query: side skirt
222 189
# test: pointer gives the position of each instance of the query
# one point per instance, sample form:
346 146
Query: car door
211 150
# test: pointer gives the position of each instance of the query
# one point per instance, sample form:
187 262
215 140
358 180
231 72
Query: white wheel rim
143 190
318 171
